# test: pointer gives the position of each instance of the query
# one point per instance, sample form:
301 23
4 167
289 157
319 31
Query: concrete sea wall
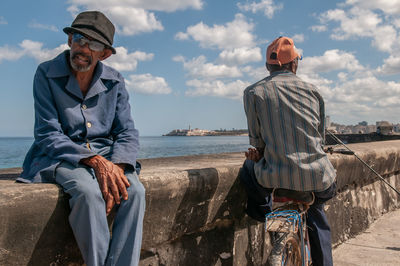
194 213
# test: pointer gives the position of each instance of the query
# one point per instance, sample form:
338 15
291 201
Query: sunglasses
82 40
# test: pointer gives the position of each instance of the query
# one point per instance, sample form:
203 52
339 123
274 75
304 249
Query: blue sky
187 62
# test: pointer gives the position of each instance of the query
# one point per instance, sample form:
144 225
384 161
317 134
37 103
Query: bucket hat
95 25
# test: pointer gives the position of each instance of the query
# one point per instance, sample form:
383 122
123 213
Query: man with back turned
285 117
86 141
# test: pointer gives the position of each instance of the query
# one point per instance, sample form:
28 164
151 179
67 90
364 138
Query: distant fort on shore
204 132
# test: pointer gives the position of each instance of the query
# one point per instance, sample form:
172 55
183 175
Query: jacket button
89 125
84 107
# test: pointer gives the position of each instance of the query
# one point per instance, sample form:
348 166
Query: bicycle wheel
285 250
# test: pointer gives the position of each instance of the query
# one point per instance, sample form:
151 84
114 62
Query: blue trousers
88 217
259 203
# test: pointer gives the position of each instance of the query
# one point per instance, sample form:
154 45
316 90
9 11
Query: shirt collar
60 68
282 72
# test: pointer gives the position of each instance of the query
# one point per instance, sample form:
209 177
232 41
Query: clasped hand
253 154
111 179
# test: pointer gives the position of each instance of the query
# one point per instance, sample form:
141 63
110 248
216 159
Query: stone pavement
378 245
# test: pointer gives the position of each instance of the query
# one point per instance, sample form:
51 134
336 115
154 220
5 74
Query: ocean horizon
14 149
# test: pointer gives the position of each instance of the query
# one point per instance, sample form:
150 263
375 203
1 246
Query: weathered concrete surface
378 245
194 213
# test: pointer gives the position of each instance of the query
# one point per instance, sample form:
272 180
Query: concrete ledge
194 211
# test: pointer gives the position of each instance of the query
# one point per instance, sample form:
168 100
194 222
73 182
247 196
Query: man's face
82 57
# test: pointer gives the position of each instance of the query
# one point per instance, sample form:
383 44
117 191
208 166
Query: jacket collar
59 67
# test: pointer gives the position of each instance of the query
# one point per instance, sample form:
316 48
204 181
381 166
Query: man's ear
69 40
106 54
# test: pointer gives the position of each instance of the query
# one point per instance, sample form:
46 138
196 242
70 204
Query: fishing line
361 160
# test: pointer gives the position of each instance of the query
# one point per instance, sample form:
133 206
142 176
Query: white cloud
156 5
32 49
267 6
298 38
132 17
396 23
217 88
319 28
387 6
391 65
147 84
35 50
361 22
235 34
131 21
353 23
255 73
199 68
35 25
331 60
3 21
10 54
240 56
124 61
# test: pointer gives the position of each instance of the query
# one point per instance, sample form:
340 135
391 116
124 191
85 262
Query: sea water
14 149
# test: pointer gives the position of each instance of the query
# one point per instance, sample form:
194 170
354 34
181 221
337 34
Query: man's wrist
92 161
121 165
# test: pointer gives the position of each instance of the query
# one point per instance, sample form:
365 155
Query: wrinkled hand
110 202
111 178
253 154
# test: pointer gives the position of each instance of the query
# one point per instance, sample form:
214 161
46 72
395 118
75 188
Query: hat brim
92 34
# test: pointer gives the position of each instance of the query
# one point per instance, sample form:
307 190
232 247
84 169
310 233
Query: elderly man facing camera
285 118
86 141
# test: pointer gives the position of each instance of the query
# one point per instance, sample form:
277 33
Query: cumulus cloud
133 16
200 68
298 38
389 7
266 6
240 56
3 21
235 34
362 21
32 49
131 21
217 88
35 25
10 54
124 61
156 5
147 84
391 65
319 28
36 50
331 60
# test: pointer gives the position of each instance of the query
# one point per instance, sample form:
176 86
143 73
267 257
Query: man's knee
136 189
79 183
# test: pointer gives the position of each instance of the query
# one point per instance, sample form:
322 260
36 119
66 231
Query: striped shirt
285 117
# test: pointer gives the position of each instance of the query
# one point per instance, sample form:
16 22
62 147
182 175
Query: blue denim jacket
70 127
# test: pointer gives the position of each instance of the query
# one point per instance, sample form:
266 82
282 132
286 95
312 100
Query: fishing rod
361 160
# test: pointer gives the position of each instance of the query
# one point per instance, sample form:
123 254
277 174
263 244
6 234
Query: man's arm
126 137
253 124
48 132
